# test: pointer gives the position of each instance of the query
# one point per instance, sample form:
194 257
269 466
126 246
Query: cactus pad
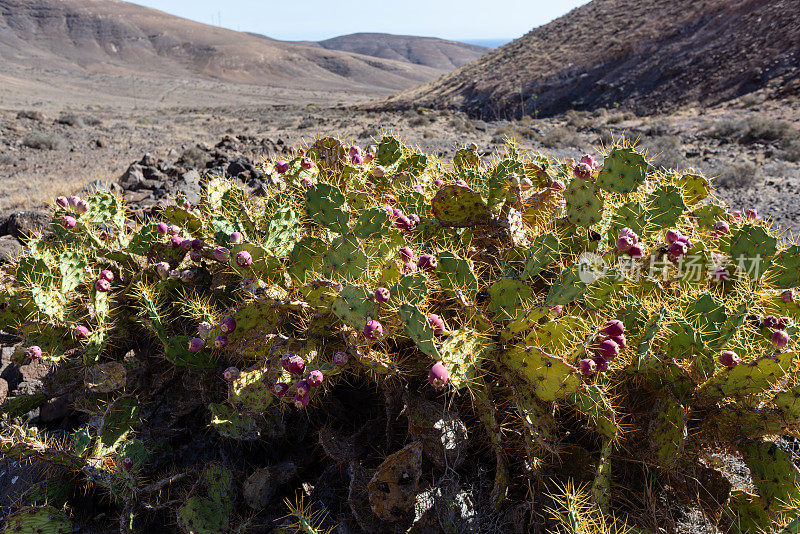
752 249
506 298
623 171
457 205
584 203
326 204
250 391
668 431
393 488
38 520
209 515
231 424
344 260
785 269
550 378
419 330
355 306
411 288
462 353
372 224
774 473
695 187
748 378
592 402
665 206
456 273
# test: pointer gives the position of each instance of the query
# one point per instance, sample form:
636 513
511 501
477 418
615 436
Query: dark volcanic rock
10 248
23 223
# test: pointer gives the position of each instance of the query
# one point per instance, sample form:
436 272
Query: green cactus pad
414 164
251 392
419 330
105 206
539 423
231 424
53 491
646 342
393 488
329 153
355 306
543 253
774 472
709 214
748 378
584 203
506 298
752 249
550 378
785 269
118 421
601 486
456 205
265 264
306 258
466 159
373 223
631 215
665 206
788 402
456 273
183 218
623 171
592 402
746 513
38 520
567 287
414 202
411 288
668 431
72 266
684 341
559 336
326 204
462 353
695 187
201 515
389 151
281 230
344 260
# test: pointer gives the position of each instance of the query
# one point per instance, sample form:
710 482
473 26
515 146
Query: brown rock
23 223
10 248
3 390
35 370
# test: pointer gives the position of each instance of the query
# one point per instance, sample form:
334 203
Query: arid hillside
109 51
428 51
648 56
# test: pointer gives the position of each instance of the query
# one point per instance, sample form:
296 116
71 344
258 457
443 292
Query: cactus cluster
595 322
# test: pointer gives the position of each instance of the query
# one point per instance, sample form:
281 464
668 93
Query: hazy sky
321 19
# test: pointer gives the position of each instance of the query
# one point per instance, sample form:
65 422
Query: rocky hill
647 55
48 45
428 51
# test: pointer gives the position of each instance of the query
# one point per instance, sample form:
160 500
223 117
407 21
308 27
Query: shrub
30 114
667 151
70 119
560 136
44 141
738 175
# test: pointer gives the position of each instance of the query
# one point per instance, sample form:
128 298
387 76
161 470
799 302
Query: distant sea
491 43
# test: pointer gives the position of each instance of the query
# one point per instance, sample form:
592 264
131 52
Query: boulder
23 223
10 248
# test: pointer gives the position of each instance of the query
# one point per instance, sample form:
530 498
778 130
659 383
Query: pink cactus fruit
752 214
340 358
779 339
315 378
236 238
297 365
230 374
80 332
281 166
62 202
787 296
373 329
722 227
607 349
222 254
438 376
302 387
582 171
612 328
102 286
589 160
671 236
588 367
196 344
636 251
243 258
306 163
221 341
627 232
410 267
729 358
358 159
187 275
227 325
301 401
127 463
555 311
382 295
34 352
355 150
163 269
176 241
558 185
280 389
436 323
624 243
196 256
105 274
174 229
427 262
602 364
69 222
406 254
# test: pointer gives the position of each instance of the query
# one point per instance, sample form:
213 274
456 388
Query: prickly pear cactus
585 319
